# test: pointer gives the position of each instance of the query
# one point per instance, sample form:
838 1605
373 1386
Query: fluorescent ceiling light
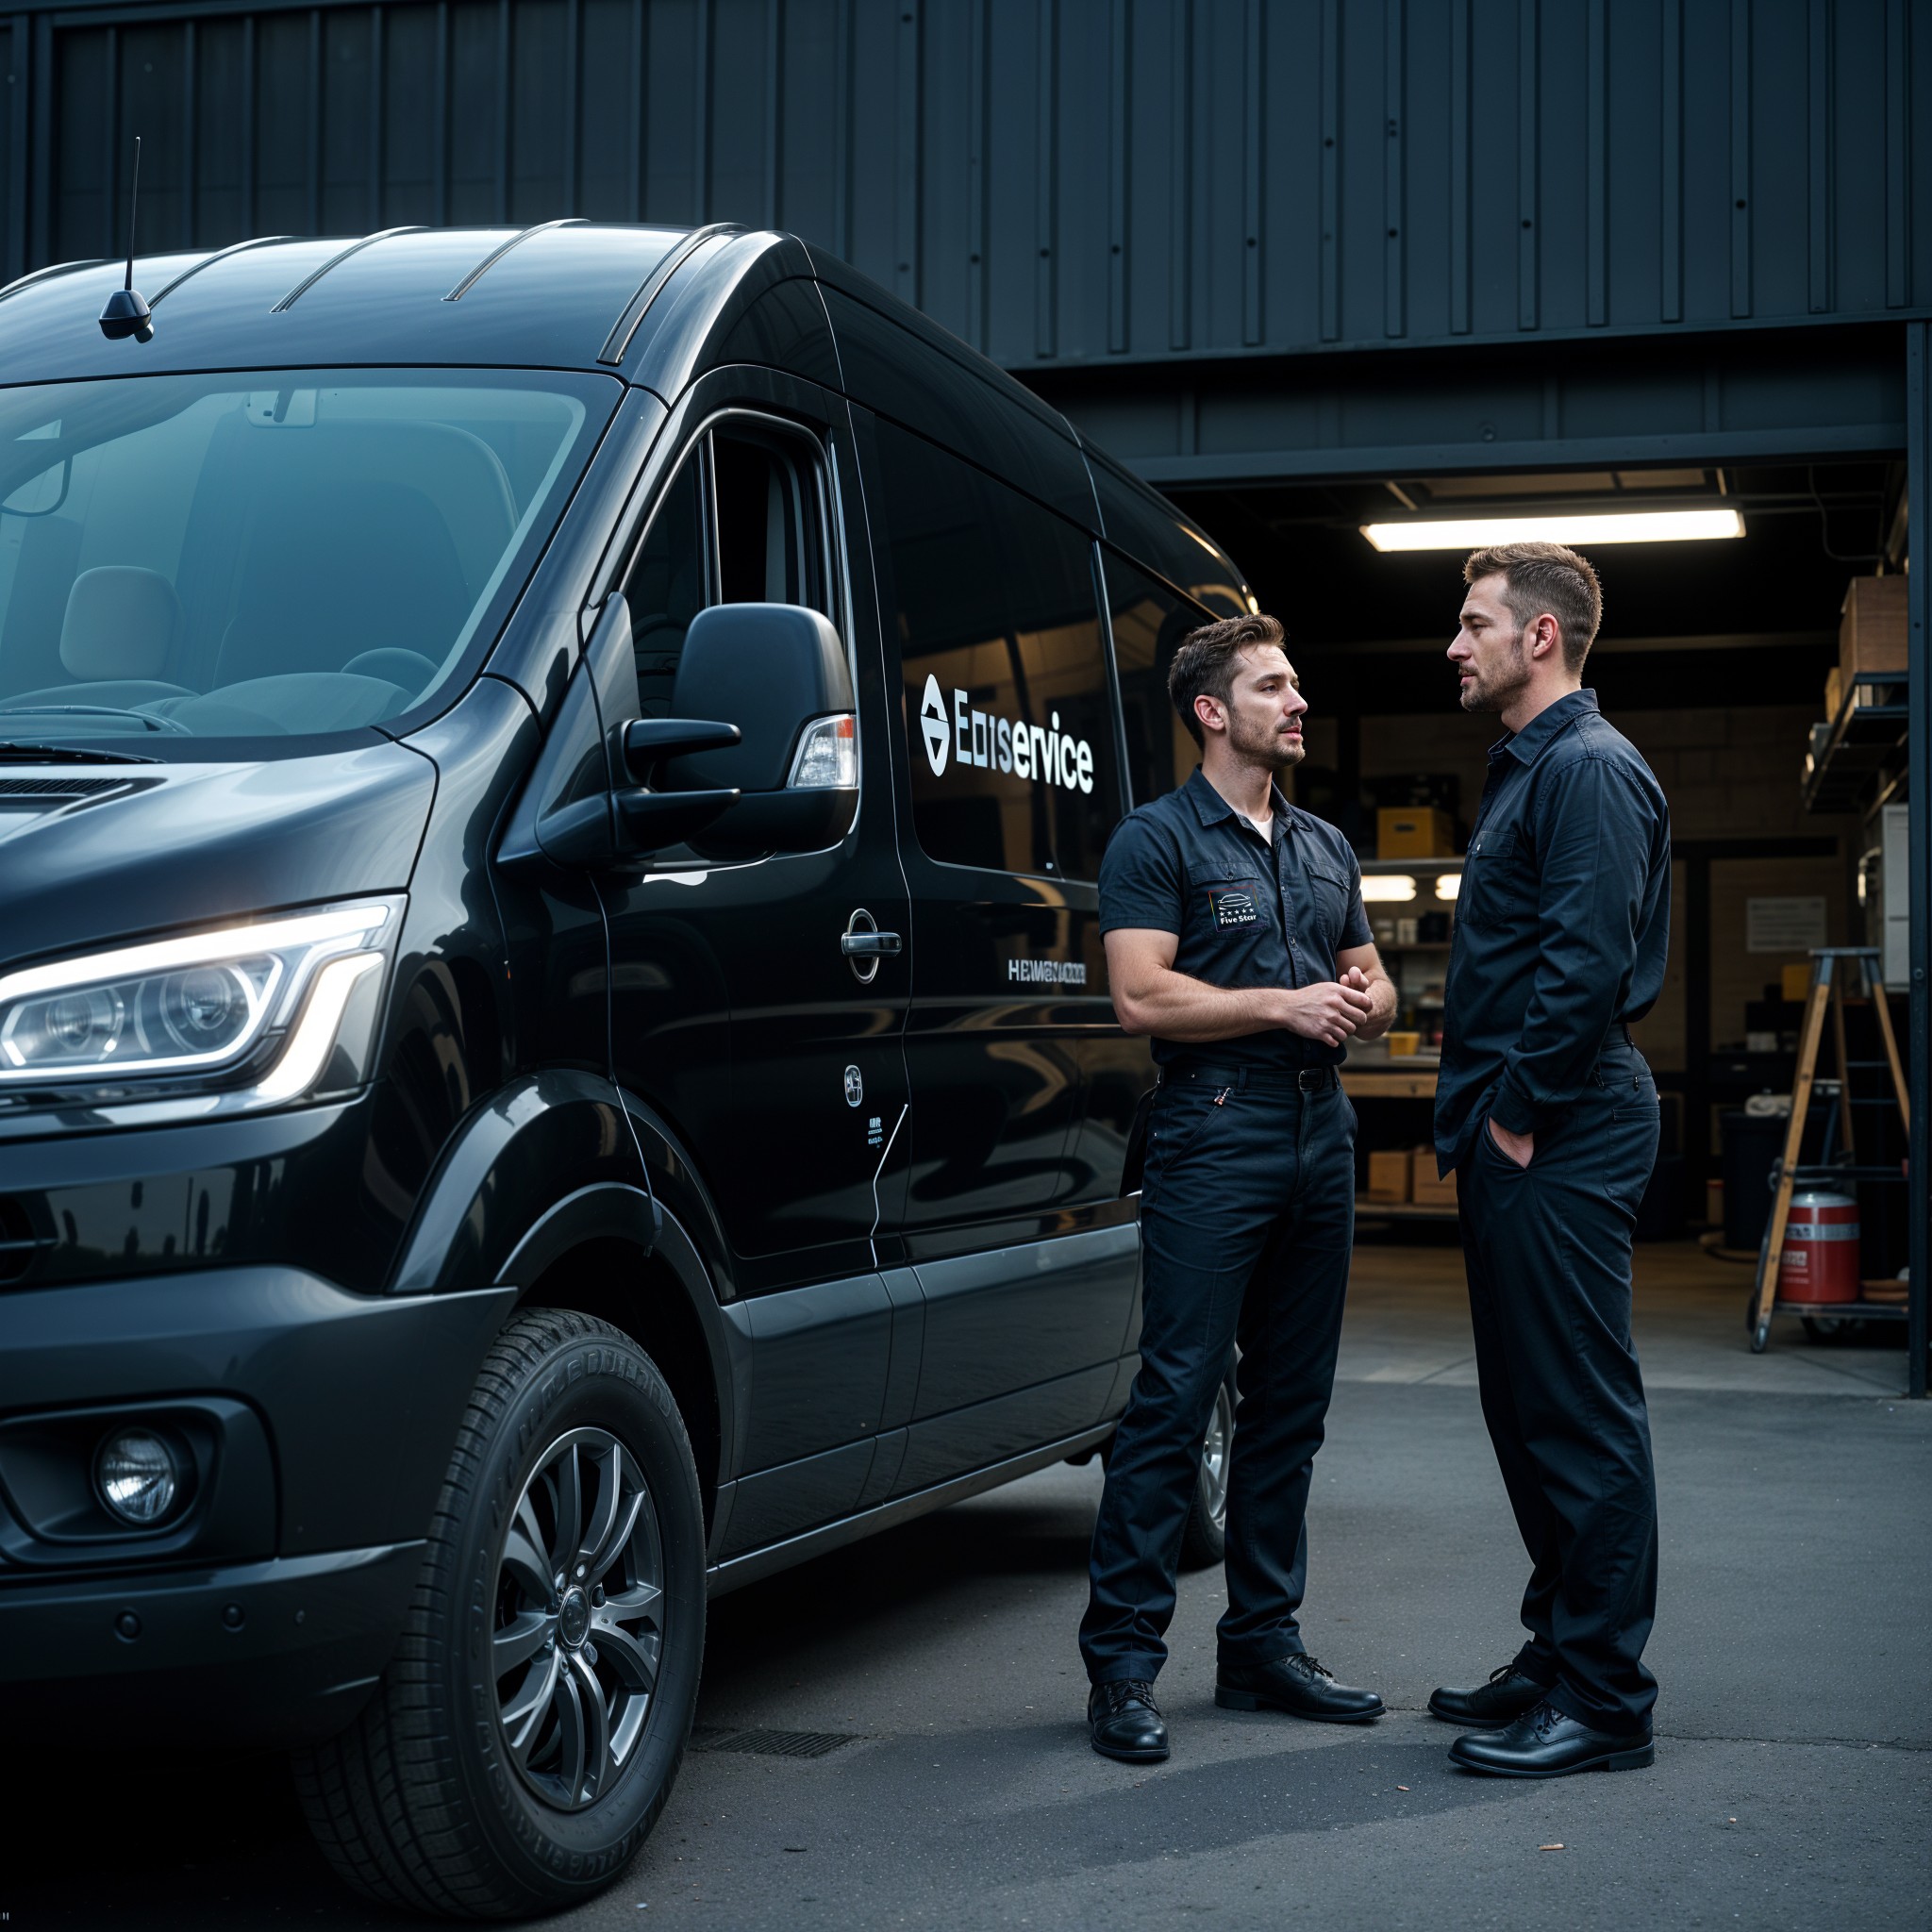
1397 886
1448 884
1610 527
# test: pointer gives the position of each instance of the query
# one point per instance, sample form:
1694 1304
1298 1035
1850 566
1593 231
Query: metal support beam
1919 817
20 55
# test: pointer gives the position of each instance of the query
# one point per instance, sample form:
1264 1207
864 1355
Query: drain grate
773 1744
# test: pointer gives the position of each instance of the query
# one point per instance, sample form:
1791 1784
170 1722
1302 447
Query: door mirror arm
649 817
645 743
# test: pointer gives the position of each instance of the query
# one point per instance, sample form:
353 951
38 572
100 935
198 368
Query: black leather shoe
1125 1721
1296 1684
1501 1701
1547 1743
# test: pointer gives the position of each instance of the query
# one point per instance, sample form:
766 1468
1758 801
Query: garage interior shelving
1396 1082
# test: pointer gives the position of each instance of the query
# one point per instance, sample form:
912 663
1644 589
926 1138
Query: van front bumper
275 1652
265 1612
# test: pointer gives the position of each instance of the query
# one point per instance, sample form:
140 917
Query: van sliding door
1010 774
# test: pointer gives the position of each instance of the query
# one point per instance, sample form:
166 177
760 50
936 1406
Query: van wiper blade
71 754
149 720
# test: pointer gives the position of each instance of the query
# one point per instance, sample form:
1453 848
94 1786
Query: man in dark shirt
1548 1115
1236 937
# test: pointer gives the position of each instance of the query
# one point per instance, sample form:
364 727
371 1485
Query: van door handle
868 945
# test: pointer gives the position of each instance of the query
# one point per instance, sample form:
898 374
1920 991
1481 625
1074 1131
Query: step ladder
1827 991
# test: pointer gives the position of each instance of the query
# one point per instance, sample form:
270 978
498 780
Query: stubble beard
1263 748
1493 694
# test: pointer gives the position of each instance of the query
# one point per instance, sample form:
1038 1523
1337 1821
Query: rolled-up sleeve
1142 883
1595 829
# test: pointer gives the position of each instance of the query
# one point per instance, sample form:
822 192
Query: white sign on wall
1784 925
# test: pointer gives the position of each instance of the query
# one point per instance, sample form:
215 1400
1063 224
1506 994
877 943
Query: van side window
1149 622
741 521
1138 520
669 584
1010 719
771 548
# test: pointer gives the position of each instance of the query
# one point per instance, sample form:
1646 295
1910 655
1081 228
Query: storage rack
1858 762
1383 1079
1862 751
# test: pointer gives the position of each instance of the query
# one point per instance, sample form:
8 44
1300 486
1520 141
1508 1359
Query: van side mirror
779 673
591 801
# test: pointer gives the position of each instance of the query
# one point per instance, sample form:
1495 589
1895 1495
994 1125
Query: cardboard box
1388 1175
1426 1190
1416 832
1834 693
1872 633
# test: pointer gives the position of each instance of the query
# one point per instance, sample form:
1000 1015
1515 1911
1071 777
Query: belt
1261 1079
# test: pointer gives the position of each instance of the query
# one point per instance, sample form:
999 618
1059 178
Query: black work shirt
1561 924
1248 912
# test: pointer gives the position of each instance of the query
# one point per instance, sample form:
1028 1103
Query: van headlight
259 1011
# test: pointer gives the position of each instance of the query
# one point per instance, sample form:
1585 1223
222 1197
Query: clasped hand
1332 1013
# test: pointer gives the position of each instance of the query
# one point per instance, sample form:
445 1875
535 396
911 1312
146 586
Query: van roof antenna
126 312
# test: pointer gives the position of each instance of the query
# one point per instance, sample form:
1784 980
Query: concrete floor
1794 1759
1408 1321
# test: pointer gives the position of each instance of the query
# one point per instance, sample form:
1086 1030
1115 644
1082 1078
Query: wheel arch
608 1250
542 1188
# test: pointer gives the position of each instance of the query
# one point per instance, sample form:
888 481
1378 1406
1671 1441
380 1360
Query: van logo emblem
855 1087
932 722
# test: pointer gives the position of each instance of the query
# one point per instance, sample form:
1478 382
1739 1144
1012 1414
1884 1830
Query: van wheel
1205 1539
525 1735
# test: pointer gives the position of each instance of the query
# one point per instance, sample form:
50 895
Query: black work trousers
1547 1249
1247 1216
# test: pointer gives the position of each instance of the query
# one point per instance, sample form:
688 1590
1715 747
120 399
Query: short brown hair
1204 662
1545 576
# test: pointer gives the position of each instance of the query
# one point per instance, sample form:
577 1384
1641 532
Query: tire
460 1792
1832 1331
1204 1541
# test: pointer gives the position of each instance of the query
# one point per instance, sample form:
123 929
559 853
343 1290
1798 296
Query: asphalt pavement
933 1669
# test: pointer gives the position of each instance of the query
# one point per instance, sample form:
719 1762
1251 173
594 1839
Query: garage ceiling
1750 621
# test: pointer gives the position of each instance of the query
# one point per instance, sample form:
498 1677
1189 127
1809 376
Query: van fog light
137 1477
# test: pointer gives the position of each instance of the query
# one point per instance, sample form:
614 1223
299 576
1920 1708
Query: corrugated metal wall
1060 181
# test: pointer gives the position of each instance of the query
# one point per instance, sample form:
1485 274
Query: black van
555 1056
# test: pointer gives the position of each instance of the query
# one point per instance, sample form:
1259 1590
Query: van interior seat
361 536
36 612
121 624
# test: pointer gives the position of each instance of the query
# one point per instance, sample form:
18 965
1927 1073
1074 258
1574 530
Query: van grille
58 788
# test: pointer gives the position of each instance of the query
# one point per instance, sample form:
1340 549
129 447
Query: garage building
1310 268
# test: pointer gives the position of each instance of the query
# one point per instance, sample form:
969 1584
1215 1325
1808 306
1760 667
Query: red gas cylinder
1820 1257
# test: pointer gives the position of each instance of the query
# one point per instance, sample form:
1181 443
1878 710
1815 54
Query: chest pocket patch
1330 895
1492 878
1233 906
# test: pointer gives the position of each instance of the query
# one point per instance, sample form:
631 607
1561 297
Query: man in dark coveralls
1235 935
1548 1115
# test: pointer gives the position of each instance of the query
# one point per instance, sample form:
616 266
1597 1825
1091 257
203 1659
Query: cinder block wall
1728 773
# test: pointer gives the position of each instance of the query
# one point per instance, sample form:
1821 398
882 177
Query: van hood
94 854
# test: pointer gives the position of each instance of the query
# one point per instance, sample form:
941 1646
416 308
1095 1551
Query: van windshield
269 556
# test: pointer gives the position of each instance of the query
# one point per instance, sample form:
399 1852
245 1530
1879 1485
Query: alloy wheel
578 1632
